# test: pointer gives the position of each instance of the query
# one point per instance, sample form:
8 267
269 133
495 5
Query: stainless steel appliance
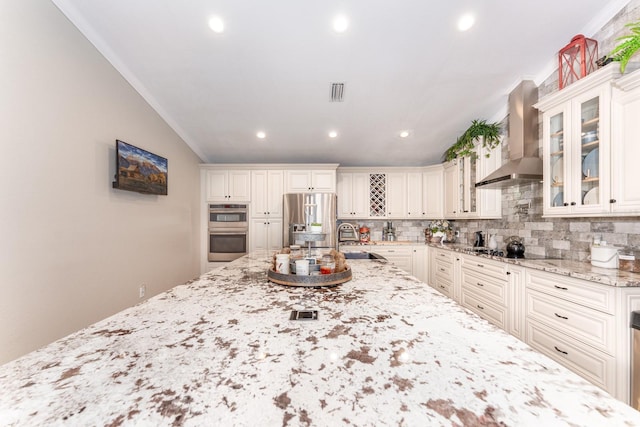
300 210
228 229
389 231
348 233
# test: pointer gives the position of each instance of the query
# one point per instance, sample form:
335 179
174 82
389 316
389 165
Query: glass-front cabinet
576 144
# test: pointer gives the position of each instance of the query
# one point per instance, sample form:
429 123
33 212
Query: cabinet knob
573 203
268 213
612 200
565 204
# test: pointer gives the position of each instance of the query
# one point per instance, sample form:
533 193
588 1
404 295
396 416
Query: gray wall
72 249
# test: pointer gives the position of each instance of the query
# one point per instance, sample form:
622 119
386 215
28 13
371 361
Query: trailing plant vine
629 46
464 145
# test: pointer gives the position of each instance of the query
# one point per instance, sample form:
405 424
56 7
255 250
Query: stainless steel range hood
525 164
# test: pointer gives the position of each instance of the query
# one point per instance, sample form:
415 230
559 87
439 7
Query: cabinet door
590 167
433 193
274 234
345 195
397 195
360 195
489 200
217 186
275 190
259 234
414 195
420 263
401 257
298 181
556 136
259 196
239 186
451 190
323 181
625 151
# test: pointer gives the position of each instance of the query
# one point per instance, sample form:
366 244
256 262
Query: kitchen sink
362 255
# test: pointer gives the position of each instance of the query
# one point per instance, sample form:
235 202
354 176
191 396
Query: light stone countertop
577 269
221 350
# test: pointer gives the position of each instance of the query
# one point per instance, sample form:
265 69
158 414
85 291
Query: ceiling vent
337 92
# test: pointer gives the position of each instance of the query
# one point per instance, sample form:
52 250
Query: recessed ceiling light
216 24
404 134
333 134
340 24
466 21
261 135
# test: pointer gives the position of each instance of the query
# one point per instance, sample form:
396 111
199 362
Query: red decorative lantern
576 60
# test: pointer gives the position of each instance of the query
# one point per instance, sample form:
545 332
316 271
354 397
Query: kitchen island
386 350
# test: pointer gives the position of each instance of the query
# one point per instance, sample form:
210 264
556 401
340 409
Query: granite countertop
221 350
577 269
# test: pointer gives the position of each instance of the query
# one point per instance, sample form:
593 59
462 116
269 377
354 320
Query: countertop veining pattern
221 350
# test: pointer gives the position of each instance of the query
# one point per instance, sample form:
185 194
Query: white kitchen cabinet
573 322
516 319
399 255
625 150
314 181
485 290
432 192
420 263
266 193
414 193
461 197
228 185
441 271
396 195
265 234
353 195
577 146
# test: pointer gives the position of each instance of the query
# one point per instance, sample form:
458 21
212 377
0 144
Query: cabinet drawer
584 324
485 286
444 270
444 288
444 256
591 364
484 266
486 310
598 297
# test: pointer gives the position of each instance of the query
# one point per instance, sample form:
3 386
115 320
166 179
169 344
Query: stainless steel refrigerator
302 209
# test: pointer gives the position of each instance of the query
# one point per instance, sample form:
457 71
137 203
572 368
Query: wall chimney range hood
525 164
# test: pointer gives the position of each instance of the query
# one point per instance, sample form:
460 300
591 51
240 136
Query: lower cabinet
572 321
420 263
401 256
442 272
484 289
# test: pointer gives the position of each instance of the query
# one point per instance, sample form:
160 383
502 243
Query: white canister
604 256
302 267
282 263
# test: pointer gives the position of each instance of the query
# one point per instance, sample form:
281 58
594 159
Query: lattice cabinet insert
378 194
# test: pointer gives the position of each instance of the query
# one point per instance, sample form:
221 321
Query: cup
282 263
302 267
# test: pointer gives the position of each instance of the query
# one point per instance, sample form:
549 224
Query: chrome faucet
343 226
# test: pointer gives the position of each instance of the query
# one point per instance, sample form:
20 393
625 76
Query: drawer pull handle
480 307
480 284
480 265
442 269
560 287
442 287
560 351
562 317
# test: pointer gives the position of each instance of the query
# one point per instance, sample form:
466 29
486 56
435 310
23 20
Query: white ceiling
405 66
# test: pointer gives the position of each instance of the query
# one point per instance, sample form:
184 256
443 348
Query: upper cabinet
266 193
461 197
578 144
394 193
314 181
228 185
625 151
353 195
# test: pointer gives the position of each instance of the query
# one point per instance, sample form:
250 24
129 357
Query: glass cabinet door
589 173
557 185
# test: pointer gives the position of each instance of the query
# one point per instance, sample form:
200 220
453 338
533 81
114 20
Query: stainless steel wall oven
228 230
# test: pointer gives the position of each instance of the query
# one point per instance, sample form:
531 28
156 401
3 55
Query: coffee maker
389 231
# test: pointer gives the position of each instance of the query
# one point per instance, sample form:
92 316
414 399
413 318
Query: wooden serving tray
309 281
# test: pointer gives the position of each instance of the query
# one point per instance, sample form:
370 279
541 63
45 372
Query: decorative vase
435 239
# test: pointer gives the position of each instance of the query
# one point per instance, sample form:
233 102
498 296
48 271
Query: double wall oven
228 228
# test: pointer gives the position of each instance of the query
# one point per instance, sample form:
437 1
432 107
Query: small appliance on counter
365 235
347 233
389 232
479 240
515 247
